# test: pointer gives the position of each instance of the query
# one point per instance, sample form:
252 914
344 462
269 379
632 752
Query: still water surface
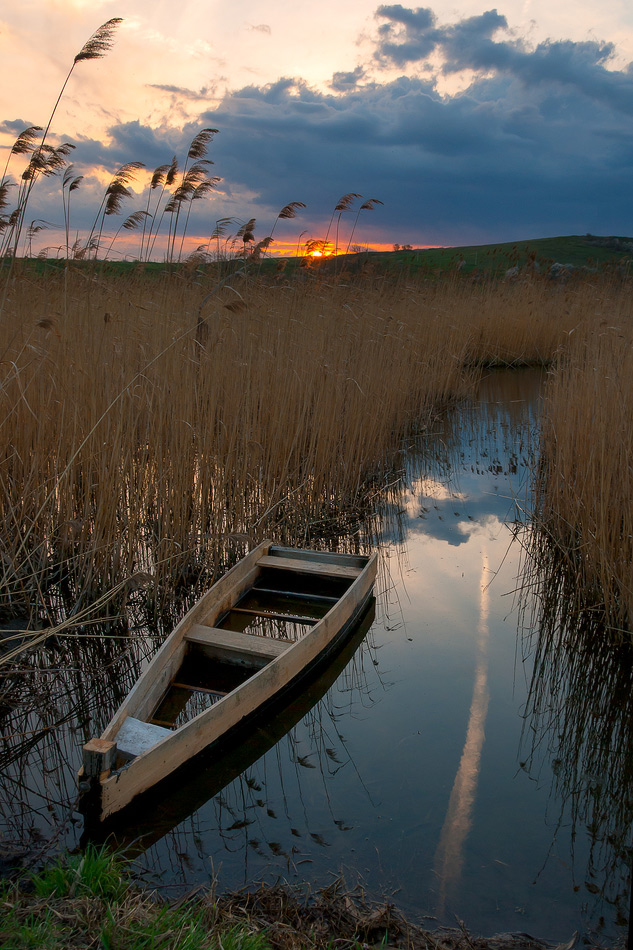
409 774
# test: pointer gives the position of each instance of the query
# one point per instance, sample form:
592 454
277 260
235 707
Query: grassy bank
150 425
91 901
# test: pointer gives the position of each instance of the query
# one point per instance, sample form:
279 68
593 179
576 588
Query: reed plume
192 175
366 206
344 203
97 46
112 202
70 183
287 213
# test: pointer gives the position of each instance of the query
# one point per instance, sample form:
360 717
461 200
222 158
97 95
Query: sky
471 124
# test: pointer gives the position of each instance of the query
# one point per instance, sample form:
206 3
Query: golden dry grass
585 485
127 448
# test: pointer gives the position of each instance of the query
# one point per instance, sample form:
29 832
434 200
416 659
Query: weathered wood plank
98 757
295 595
275 615
328 557
199 689
135 737
318 568
219 642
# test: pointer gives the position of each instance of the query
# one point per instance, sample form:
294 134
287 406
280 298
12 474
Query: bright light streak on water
449 857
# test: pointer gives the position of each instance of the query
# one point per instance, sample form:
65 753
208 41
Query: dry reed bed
585 485
127 448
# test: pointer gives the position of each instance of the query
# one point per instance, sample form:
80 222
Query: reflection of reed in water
51 701
579 715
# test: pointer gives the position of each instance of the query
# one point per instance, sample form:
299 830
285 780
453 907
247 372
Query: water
419 773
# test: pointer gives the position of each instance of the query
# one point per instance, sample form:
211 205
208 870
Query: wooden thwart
199 689
296 595
230 641
274 615
302 566
136 736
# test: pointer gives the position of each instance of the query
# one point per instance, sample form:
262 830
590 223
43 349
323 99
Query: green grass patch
95 873
90 900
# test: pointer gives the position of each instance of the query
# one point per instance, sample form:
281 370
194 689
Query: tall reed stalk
46 160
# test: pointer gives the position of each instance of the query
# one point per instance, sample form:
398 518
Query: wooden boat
262 627
165 806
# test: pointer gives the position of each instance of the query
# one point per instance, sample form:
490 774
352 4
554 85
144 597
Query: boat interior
292 592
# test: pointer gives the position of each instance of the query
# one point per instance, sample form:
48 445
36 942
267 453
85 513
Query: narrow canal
424 772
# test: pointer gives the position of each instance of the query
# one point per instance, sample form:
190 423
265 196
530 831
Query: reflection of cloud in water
442 511
449 856
430 488
455 530
489 527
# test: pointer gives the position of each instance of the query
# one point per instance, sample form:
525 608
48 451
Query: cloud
411 36
500 159
407 36
183 93
343 82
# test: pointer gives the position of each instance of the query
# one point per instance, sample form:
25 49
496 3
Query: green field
578 250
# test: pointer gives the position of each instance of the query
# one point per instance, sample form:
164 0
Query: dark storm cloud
501 160
410 36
